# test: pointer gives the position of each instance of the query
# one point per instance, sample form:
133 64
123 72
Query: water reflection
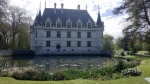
56 63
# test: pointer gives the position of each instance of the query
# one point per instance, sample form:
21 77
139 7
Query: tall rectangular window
47 43
68 24
79 34
88 43
68 34
48 24
35 33
58 34
48 34
58 24
89 25
79 43
79 25
68 43
88 34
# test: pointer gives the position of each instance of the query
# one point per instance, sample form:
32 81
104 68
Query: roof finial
99 22
40 6
86 6
45 3
98 8
40 9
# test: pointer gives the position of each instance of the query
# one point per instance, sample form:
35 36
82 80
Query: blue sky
112 22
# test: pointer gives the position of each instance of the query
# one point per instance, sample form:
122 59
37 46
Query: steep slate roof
39 17
72 14
99 22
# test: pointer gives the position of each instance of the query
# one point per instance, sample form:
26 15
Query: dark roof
72 14
99 22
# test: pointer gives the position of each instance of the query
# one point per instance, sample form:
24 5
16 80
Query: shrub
133 51
131 72
129 58
122 53
120 66
117 75
18 75
94 73
128 52
29 74
58 76
133 63
5 74
74 74
42 76
107 70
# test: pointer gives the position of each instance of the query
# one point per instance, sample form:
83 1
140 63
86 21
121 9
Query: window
89 25
79 43
79 25
89 44
48 34
35 24
35 33
58 24
58 34
48 24
68 43
68 34
88 34
68 24
35 42
79 35
47 43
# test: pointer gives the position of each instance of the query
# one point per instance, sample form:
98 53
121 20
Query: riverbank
144 67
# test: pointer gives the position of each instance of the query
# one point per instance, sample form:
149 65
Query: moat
55 63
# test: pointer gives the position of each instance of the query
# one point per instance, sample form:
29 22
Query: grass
144 67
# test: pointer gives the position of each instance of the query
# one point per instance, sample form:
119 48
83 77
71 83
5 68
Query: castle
66 31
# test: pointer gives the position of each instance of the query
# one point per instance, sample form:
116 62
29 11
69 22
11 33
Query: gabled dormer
48 22
89 23
68 23
79 23
58 23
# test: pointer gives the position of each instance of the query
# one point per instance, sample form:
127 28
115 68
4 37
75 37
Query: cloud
111 21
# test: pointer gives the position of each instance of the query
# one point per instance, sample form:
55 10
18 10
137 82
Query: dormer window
79 25
35 24
48 23
58 24
89 25
68 24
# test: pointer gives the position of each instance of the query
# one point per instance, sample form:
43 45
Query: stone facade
66 31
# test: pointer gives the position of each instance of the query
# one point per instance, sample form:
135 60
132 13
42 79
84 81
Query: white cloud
112 26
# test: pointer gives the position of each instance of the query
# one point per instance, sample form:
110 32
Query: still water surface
56 63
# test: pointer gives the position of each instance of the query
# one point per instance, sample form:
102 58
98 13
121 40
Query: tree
139 18
14 28
3 4
118 44
1 42
108 43
3 24
5 31
17 19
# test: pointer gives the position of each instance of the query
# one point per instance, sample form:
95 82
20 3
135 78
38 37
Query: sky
112 22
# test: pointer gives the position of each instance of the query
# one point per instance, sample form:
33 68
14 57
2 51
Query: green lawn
144 67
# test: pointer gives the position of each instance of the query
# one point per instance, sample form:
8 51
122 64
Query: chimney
54 8
62 7
78 7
